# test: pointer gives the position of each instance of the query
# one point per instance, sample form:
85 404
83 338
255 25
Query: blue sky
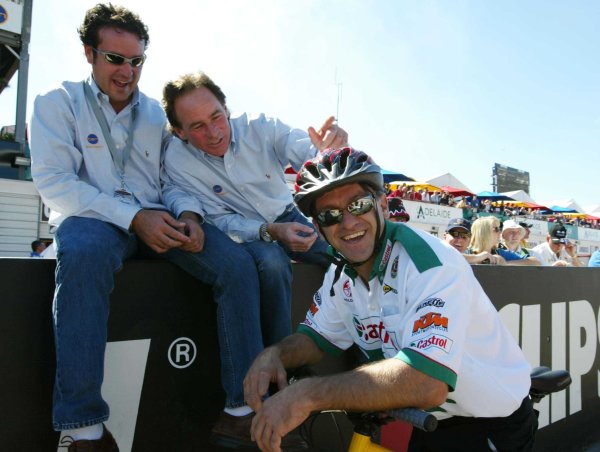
427 87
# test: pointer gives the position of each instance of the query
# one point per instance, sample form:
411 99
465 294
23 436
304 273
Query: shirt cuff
319 340
428 366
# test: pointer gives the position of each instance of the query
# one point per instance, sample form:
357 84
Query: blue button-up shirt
244 188
71 164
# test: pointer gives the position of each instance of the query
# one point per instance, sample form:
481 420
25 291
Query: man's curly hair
107 15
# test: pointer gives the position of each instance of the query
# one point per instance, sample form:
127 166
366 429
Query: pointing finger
326 125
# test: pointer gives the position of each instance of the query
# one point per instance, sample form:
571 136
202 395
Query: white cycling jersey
423 305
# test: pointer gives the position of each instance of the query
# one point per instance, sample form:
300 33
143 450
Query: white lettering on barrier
558 400
124 369
583 330
582 348
530 344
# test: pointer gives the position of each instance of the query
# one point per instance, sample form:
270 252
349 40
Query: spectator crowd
473 206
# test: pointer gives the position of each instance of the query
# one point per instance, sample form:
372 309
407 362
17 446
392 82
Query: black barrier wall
162 368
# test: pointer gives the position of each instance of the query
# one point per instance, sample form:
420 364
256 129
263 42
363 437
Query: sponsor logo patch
387 289
317 299
394 272
372 330
307 322
217 190
92 138
433 340
347 290
386 255
314 308
431 320
431 302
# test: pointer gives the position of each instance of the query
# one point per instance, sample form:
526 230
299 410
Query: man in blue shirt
37 246
233 167
231 172
595 259
96 148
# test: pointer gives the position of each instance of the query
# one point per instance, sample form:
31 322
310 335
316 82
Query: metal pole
22 81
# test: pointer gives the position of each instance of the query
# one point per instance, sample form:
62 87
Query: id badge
125 196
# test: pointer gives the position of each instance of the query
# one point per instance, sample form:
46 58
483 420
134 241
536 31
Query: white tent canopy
570 204
448 180
593 209
519 195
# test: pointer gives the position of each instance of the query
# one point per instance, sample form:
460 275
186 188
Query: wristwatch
264 234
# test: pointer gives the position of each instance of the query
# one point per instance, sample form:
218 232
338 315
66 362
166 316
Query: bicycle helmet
333 168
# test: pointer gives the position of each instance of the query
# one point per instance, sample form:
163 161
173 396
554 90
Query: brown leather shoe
106 443
233 432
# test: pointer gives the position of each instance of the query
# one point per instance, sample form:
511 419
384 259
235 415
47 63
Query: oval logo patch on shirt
92 138
217 189
3 14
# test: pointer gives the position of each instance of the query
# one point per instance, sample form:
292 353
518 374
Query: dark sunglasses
497 229
460 235
118 60
358 207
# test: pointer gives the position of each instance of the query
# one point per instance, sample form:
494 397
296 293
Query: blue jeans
89 252
275 276
316 253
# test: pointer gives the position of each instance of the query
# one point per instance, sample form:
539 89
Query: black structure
505 178
155 301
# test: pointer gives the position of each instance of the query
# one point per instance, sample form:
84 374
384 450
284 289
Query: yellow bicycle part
363 443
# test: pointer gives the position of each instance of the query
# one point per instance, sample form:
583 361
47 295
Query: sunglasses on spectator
118 60
460 234
497 229
358 207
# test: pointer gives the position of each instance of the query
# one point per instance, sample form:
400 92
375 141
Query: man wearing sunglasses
412 305
458 235
97 147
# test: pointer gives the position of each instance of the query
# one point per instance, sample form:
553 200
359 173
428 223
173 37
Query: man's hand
330 135
297 237
159 230
267 368
193 230
279 415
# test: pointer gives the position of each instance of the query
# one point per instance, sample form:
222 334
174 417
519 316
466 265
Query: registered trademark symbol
182 352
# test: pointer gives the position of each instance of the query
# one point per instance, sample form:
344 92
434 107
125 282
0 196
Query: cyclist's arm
386 384
269 366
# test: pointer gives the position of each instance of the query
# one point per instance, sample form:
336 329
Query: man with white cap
510 248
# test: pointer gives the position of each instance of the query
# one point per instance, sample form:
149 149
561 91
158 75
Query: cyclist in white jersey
411 303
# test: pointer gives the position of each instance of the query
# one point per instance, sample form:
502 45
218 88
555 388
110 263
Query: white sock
91 432
239 411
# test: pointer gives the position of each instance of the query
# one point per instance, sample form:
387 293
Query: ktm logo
431 319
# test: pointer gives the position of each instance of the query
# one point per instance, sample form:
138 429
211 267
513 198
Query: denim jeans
89 252
317 253
275 276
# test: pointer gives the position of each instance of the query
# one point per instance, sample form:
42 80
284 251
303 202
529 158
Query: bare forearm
297 350
387 384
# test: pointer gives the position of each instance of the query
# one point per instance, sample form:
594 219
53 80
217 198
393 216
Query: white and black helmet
333 168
